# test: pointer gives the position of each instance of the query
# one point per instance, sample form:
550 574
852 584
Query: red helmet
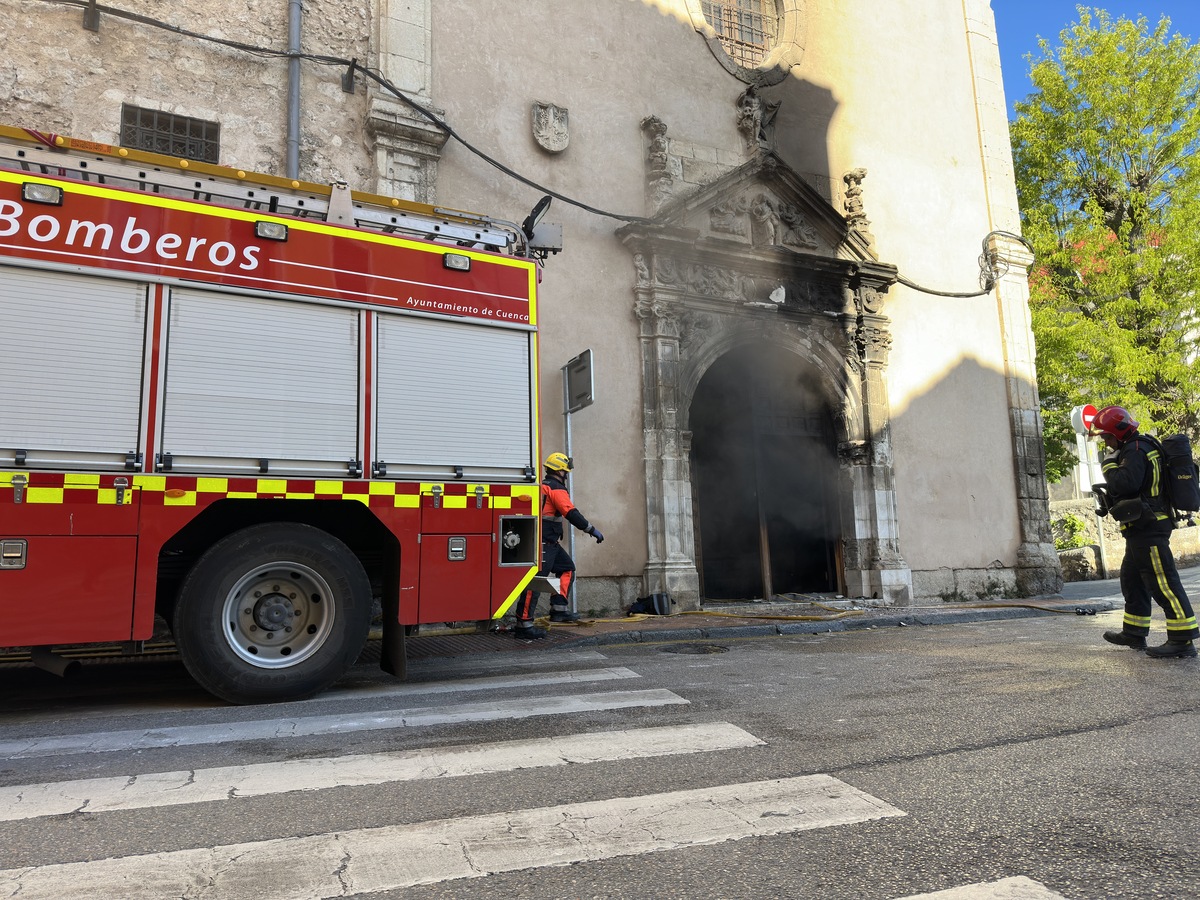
1115 422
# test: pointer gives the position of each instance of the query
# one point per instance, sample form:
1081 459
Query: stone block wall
1088 565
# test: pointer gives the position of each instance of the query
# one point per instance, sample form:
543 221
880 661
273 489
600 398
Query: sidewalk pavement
807 616
796 614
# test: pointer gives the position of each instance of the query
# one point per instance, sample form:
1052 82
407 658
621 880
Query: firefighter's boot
1125 639
1173 650
527 631
562 614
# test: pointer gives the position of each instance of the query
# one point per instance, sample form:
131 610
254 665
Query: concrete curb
868 621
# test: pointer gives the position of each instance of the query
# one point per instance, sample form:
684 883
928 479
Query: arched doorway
765 478
759 259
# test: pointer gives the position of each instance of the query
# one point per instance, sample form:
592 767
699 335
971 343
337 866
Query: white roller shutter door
251 378
71 367
453 394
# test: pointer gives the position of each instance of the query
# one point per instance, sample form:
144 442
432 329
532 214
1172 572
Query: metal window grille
746 28
167 133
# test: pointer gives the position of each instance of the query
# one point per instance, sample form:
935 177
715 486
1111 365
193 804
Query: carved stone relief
551 127
729 217
868 300
856 217
765 220
756 119
659 181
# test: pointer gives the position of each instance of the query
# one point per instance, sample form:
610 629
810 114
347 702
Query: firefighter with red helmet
1134 479
556 506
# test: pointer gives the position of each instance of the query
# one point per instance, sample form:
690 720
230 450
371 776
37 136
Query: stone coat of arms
550 127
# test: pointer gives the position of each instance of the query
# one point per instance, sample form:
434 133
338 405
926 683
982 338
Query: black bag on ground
654 605
1181 487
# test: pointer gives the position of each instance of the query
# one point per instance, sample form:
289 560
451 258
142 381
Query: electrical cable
353 66
989 273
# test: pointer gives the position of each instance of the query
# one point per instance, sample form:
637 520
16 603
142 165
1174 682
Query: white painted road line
353 687
1018 888
485 683
477 664
158 789
399 856
307 726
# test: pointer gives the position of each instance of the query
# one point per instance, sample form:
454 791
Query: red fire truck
260 410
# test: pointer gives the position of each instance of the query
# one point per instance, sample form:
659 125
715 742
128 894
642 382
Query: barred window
167 133
747 29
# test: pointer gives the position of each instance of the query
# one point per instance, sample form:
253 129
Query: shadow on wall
800 130
959 494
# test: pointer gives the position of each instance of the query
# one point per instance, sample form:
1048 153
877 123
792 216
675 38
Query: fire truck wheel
272 612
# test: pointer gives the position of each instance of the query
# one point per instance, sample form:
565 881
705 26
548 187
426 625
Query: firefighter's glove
595 532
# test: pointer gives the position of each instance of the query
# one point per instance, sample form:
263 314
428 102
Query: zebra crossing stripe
485 683
307 726
158 789
368 689
400 856
1018 888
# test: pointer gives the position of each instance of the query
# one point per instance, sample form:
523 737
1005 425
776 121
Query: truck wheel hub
273 611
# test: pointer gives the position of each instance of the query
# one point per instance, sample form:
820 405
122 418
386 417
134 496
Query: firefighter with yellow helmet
556 506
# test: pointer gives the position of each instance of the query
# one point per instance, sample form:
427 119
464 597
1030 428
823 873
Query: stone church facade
760 185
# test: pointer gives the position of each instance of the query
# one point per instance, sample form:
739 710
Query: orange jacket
556 506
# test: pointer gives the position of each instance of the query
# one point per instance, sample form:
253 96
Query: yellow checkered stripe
197 491
57 489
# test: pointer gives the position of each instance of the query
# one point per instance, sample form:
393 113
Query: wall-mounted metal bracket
91 16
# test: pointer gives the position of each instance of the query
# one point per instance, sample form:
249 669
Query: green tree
1107 171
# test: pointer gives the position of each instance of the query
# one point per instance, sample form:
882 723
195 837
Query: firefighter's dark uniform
556 506
1148 570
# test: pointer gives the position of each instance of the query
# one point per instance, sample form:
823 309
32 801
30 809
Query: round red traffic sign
1082 418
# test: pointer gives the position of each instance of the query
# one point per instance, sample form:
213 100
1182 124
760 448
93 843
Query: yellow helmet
558 462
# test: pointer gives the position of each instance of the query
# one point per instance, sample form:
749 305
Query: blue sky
1019 24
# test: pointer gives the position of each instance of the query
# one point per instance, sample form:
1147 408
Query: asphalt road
996 758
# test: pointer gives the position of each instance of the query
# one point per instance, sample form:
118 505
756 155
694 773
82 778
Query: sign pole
567 527
1089 471
579 390
1093 468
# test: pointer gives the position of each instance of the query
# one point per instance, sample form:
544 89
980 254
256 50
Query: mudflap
393 658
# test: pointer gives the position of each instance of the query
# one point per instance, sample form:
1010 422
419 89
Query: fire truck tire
271 613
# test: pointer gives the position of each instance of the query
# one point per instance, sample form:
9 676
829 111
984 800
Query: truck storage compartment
71 369
258 385
453 394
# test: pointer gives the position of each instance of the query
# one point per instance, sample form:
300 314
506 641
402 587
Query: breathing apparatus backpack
655 605
1181 478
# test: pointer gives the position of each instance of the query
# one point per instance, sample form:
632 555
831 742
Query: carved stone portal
758 258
